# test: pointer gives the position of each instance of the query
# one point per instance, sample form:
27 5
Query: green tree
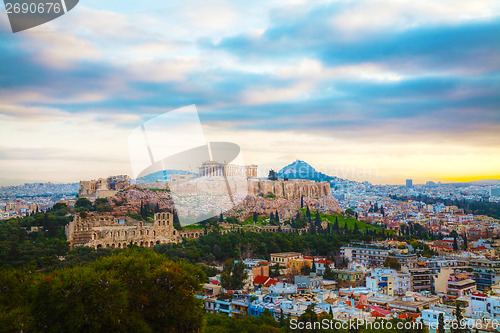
329 274
309 317
317 220
459 327
392 263
274 270
441 324
455 244
273 175
233 275
136 290
349 212
83 204
336 227
356 229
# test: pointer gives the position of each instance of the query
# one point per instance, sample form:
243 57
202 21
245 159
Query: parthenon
217 169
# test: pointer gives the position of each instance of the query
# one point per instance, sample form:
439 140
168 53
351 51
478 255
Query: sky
362 89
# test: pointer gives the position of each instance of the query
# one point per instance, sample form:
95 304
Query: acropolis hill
114 228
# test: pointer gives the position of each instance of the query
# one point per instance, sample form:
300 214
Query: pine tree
271 218
277 217
317 219
455 244
301 201
465 241
273 175
313 267
308 212
440 324
356 229
336 227
459 317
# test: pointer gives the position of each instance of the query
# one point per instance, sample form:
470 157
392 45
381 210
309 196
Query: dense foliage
136 290
215 246
19 246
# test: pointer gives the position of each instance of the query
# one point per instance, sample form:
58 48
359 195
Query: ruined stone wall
117 232
102 187
290 189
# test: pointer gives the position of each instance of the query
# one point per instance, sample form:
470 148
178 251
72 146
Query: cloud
361 18
332 76
263 95
59 50
173 69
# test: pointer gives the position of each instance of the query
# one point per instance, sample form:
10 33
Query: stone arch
157 242
151 244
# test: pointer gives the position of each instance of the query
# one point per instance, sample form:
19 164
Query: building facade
106 231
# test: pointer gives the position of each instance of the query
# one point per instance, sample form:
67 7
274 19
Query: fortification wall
290 189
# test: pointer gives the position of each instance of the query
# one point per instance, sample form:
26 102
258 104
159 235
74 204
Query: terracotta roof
380 310
265 280
260 279
271 281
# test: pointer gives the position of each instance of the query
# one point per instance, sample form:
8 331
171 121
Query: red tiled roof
377 314
271 282
260 279
406 315
379 310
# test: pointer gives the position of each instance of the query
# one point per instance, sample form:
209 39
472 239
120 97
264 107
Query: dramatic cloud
366 84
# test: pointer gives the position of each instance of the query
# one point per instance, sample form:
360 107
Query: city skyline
363 90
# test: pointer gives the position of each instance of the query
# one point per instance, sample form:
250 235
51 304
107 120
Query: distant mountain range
302 170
